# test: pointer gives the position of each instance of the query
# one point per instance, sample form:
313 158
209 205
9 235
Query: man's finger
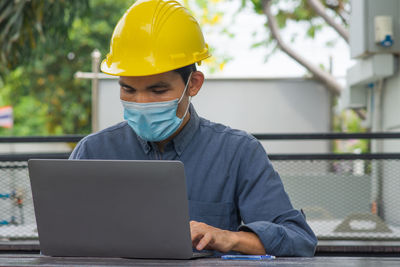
195 234
195 231
196 239
206 240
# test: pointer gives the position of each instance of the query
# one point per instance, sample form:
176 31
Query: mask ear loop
190 98
186 86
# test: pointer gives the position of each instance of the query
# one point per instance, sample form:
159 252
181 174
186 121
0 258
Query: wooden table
37 260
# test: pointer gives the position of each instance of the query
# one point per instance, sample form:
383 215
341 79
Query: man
236 200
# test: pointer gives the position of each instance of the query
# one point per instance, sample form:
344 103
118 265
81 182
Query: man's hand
208 237
205 236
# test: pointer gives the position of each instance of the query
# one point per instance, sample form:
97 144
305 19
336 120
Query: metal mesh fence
353 199
17 218
347 199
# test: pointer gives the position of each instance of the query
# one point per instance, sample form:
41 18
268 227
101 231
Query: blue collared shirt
230 180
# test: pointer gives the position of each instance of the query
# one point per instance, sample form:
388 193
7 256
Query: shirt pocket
222 215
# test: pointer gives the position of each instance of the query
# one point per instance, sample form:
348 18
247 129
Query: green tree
316 14
46 98
30 28
40 60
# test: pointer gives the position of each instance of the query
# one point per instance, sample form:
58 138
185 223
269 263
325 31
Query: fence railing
278 136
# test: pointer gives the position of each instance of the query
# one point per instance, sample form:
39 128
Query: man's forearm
247 243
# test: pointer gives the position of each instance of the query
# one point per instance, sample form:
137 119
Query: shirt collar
145 145
182 139
186 134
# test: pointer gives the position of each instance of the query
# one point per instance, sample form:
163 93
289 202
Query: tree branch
340 11
321 75
320 10
360 113
344 17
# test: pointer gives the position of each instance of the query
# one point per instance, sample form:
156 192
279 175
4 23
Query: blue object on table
4 195
247 257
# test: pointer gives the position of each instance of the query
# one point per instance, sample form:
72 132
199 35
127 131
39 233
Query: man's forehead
166 77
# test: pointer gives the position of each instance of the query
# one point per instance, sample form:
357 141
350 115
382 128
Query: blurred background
316 81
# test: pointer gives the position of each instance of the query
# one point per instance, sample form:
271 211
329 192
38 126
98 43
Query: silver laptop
111 208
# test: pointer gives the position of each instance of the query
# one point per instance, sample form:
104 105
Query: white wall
253 105
7 148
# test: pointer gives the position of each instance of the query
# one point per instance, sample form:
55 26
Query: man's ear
196 81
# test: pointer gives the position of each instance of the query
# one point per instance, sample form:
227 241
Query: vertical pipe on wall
95 89
376 147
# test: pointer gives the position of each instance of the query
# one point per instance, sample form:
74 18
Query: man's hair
185 71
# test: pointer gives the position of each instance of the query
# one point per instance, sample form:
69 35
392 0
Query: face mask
154 121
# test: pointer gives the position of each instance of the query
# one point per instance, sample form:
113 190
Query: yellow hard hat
154 36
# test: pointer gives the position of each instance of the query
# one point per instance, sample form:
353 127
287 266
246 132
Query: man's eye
159 92
127 89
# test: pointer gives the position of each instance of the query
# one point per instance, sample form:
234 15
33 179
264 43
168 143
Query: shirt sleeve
80 151
266 210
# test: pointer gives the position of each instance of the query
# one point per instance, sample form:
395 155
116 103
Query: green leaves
257 5
38 73
38 35
300 11
311 31
27 27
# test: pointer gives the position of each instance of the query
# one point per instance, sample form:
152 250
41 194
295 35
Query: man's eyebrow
125 85
158 85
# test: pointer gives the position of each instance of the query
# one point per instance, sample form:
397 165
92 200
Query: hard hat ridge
161 14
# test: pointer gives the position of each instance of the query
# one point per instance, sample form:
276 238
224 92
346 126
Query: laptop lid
111 208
